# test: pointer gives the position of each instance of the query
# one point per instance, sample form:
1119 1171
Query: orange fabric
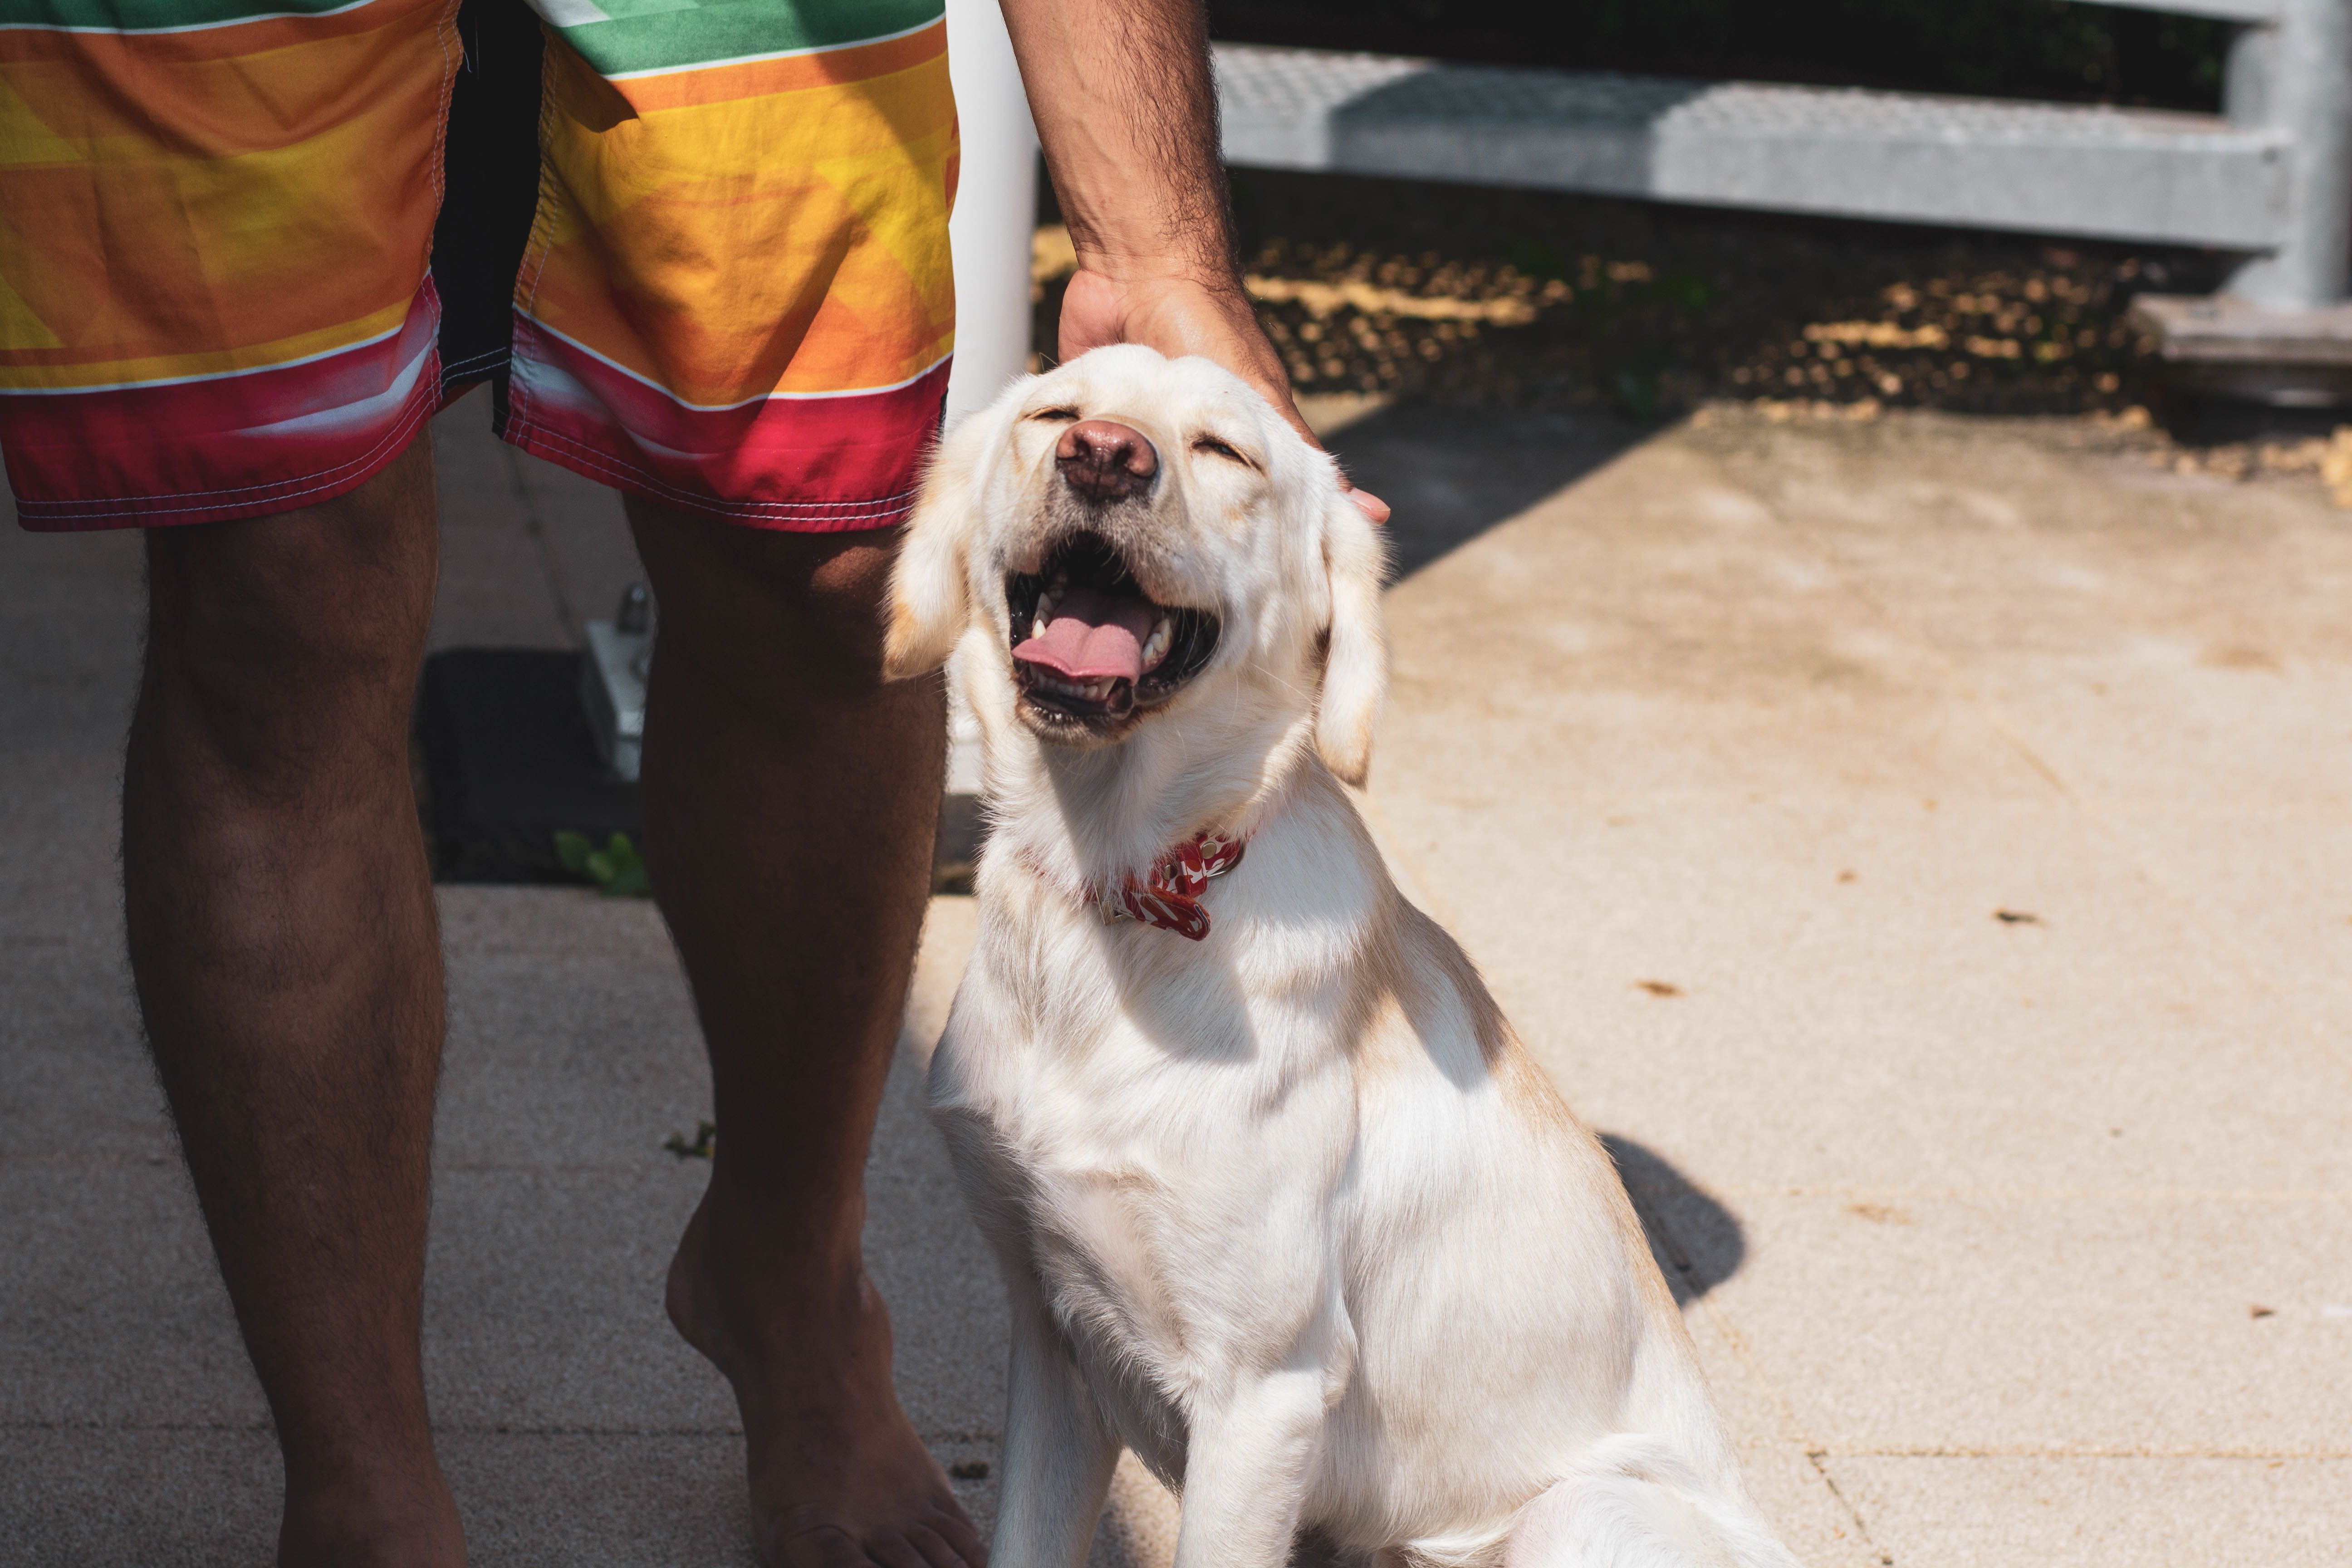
838 189
177 206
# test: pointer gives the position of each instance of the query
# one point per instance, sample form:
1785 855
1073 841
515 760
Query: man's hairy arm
1122 96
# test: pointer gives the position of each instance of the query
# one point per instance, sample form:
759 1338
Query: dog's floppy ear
1356 655
930 593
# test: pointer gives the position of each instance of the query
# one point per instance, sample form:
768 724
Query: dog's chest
1168 1214
1110 1225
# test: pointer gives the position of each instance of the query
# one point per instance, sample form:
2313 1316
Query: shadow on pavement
1450 474
1697 1242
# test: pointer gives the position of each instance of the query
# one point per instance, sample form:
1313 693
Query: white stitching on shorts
880 512
420 409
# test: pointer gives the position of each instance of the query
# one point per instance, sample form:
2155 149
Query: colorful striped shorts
697 247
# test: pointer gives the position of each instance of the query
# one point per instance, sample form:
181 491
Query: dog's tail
1635 1503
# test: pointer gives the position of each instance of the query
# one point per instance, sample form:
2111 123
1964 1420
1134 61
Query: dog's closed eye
1220 449
1056 415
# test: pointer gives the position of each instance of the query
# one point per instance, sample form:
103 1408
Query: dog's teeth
1155 646
1046 603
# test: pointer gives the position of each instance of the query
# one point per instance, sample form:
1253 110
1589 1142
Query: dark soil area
1476 296
1656 308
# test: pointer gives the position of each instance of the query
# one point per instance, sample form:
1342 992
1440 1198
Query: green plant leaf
618 871
624 875
706 1140
571 851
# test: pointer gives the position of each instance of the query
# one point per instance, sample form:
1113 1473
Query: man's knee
300 620
806 607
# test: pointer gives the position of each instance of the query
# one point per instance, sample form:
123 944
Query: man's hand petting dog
1282 1204
1182 316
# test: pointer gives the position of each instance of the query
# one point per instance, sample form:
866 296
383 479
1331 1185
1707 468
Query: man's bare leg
283 942
789 802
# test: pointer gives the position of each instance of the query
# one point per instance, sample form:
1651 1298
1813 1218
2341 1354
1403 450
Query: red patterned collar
1169 894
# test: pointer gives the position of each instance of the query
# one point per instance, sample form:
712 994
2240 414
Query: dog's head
1146 537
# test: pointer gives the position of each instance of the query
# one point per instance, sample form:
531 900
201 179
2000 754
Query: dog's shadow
1697 1242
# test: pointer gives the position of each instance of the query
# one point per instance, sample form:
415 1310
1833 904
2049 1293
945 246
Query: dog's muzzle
1089 647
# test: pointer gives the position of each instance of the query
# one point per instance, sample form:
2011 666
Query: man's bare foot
838 1477
403 1522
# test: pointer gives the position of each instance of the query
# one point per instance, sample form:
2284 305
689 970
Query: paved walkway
2006 1240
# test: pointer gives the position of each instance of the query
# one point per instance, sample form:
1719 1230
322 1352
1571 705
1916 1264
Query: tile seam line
1998 718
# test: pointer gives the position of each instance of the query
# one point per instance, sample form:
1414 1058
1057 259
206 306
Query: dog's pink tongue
1092 636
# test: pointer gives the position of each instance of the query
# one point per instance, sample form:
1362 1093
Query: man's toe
939 1548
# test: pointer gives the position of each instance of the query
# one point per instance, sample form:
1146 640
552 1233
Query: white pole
995 206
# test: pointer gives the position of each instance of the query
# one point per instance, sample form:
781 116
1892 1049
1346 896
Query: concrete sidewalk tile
618 1500
111 1311
2177 641
1805 1510
2271 887
1900 1320
571 1036
947 1302
1890 1026
2170 719
69 640
543 1301
1682 639
89 1497
75 1082
2065 1512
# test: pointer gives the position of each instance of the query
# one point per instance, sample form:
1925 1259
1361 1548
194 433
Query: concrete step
1973 163
2230 347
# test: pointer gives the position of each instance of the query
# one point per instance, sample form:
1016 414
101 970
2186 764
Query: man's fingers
1184 318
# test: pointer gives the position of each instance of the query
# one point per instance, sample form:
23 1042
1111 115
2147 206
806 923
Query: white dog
1282 1204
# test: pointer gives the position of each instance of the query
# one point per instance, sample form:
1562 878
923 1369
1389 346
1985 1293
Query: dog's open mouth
1088 647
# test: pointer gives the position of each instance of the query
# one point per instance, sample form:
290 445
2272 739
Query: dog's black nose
1104 461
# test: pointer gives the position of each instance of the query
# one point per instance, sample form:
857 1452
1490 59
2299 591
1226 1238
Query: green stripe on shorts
154 15
621 37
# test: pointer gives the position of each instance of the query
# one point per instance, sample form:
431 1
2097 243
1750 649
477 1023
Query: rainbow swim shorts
697 247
